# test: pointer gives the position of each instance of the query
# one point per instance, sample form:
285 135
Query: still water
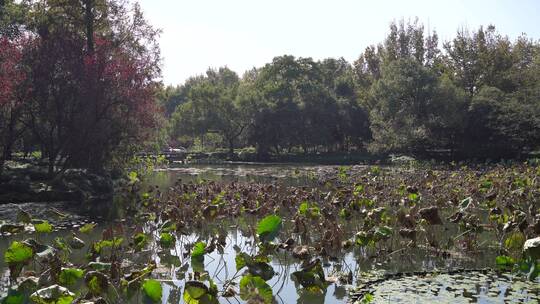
175 266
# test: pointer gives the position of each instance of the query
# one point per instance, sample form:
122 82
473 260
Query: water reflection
252 173
176 267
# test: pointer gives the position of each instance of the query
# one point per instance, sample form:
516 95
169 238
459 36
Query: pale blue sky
242 34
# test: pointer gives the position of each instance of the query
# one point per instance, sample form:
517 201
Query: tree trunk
89 20
52 160
7 153
231 148
3 158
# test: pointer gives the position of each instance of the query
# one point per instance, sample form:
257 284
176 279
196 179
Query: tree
93 74
411 107
12 75
349 125
405 95
503 125
12 16
483 58
406 40
211 106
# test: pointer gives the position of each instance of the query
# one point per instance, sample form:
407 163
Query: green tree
412 109
211 106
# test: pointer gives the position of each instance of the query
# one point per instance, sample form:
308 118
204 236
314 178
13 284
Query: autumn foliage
12 76
82 85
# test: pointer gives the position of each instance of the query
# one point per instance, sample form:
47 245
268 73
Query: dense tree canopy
476 97
79 80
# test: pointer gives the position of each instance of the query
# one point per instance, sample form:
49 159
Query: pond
289 174
386 270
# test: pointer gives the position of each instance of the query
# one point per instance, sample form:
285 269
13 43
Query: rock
431 215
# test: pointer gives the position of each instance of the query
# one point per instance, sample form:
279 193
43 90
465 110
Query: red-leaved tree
119 106
93 79
12 75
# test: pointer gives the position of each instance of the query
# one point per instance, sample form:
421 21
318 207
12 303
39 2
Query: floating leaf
169 259
515 241
303 208
198 250
166 240
309 210
133 177
367 298
240 260
140 240
11 228
168 226
54 294
431 215
414 197
14 297
465 203
99 266
364 238
261 269
43 227
312 277
76 243
18 253
69 276
197 292
255 289
268 228
153 290
197 264
534 271
60 244
505 261
24 217
87 228
96 282
383 232
115 242
345 213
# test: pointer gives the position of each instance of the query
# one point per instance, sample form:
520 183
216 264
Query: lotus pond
286 234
